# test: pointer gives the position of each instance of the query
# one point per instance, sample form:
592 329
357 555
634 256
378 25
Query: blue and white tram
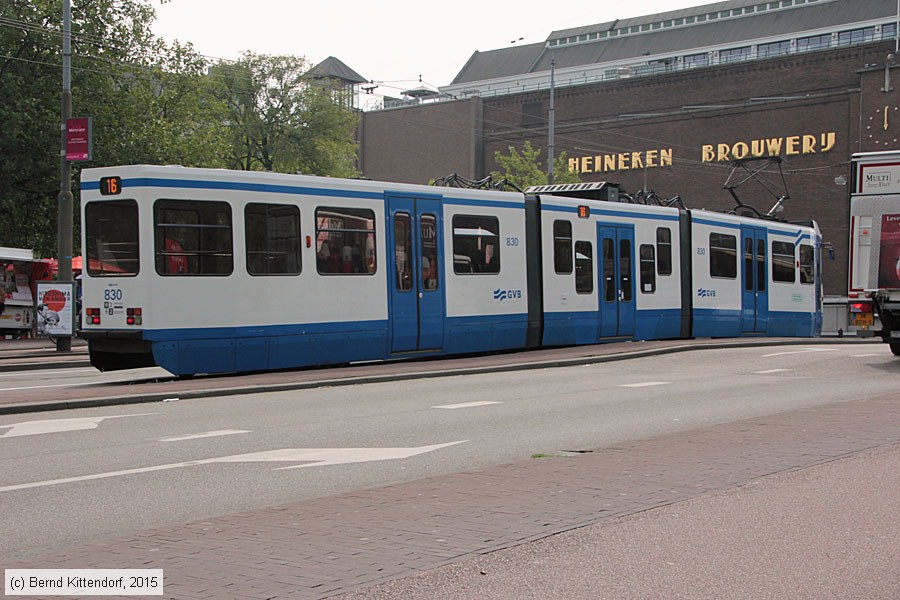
214 271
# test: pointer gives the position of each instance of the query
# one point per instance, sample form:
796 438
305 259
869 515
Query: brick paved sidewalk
321 547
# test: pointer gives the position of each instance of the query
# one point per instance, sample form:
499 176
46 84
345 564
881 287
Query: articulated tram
215 271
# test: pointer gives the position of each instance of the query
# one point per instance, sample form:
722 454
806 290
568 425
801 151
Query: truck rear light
861 307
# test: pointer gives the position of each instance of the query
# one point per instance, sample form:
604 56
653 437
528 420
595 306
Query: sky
396 43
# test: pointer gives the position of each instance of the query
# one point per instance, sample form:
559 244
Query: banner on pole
79 139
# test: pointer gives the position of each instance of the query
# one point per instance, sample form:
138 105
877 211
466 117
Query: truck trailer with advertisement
874 270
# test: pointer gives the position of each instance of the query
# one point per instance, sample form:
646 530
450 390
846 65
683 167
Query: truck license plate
863 320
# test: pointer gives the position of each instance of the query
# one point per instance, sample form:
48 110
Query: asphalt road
71 476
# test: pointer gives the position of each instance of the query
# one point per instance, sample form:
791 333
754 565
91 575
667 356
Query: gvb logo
501 295
703 293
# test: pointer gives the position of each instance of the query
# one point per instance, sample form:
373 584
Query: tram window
272 234
428 254
562 247
345 241
760 265
193 237
807 264
664 251
783 269
584 268
648 269
748 264
476 244
609 270
722 255
625 269
111 238
403 251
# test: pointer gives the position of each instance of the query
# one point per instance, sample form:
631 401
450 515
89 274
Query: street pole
552 118
66 202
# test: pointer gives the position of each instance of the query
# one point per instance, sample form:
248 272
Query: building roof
333 68
734 22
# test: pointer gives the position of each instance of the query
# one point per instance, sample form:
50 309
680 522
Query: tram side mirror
830 248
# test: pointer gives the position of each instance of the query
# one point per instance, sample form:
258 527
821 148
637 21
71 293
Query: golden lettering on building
792 145
623 161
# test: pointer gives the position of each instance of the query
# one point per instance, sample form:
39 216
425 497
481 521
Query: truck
874 269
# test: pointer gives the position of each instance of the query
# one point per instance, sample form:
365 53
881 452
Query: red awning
78 265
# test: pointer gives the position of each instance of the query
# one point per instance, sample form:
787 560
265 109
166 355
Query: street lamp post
66 203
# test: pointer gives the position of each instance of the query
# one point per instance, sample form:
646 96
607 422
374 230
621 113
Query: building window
193 237
783 262
889 31
735 54
773 49
533 114
476 244
857 36
692 61
562 247
814 42
272 233
722 255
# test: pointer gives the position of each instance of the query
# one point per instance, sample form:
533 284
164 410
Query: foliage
29 110
524 168
282 121
151 102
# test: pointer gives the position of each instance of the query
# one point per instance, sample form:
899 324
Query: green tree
525 168
149 102
30 85
281 121
160 109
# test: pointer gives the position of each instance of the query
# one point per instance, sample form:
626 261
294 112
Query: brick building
667 102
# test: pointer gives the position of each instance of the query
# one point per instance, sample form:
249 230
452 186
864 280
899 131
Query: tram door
415 273
755 294
615 267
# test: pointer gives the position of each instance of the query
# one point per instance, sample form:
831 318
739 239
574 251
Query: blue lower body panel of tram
235 349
